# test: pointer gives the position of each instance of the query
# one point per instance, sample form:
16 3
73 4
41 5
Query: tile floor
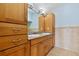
62 52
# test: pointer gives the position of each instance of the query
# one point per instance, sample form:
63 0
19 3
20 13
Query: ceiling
46 6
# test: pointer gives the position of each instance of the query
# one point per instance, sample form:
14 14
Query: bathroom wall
67 15
67 26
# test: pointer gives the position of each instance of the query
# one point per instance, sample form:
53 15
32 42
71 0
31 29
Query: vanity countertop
33 36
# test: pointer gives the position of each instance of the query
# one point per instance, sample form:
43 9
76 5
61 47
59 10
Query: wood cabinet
2 11
48 44
20 50
11 41
41 23
47 23
42 47
14 13
14 46
1 54
27 49
50 23
37 49
16 51
13 29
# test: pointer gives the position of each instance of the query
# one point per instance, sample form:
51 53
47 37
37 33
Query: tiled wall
67 38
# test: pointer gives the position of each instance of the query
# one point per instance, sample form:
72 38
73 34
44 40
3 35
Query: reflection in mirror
33 23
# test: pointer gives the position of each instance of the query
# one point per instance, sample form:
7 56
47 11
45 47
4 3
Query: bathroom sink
33 35
45 33
36 35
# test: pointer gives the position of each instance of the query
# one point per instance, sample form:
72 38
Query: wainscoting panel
67 38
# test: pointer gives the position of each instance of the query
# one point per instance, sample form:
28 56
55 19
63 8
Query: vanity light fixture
43 11
33 8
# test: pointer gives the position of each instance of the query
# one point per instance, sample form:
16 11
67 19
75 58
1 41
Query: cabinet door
34 50
37 50
16 51
42 48
14 12
49 23
41 23
1 54
27 49
47 46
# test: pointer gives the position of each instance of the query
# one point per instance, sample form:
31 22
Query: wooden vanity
14 32
40 46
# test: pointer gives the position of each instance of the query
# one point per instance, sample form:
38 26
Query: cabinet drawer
40 39
10 41
47 45
12 29
16 51
37 40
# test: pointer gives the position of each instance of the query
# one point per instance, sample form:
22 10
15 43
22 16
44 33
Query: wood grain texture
16 51
40 39
41 23
2 11
14 13
11 41
47 23
27 49
12 29
50 23
43 47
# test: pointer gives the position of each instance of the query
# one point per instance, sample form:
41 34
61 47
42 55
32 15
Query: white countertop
33 36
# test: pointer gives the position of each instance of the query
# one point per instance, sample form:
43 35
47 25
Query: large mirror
33 23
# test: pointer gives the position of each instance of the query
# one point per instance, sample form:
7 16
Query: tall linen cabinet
13 29
47 24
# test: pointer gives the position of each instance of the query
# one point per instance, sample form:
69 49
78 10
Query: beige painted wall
68 38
